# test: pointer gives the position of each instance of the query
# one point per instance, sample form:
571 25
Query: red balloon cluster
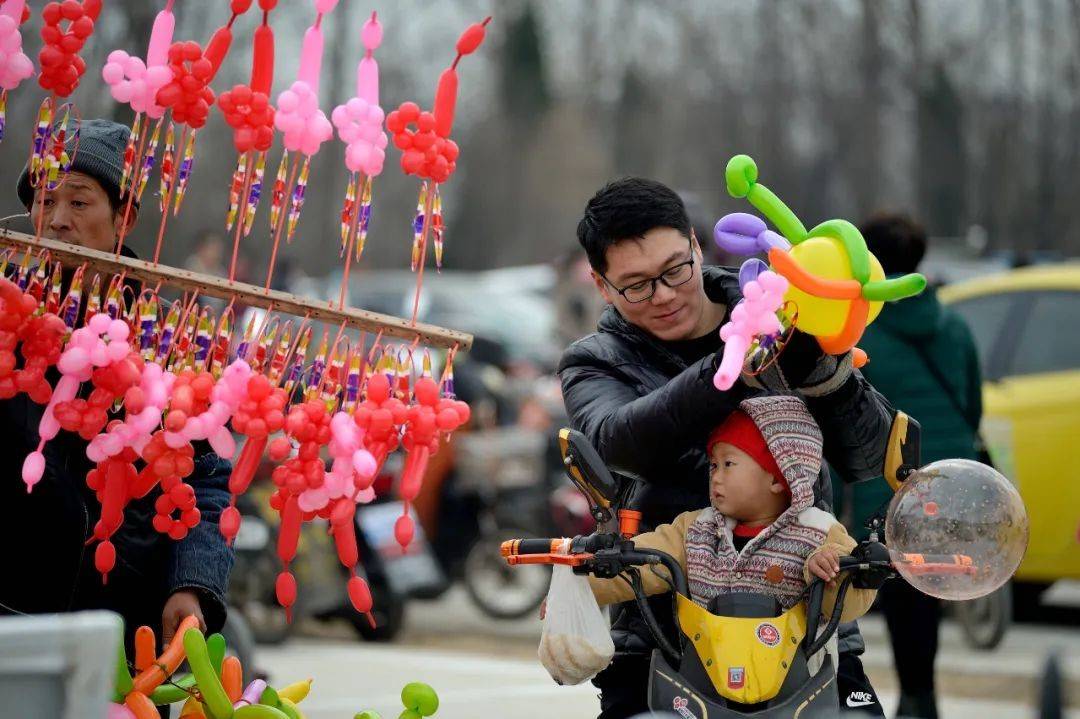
250 115
61 65
88 417
188 95
380 415
190 397
428 418
42 341
169 467
260 415
425 153
309 425
16 307
114 482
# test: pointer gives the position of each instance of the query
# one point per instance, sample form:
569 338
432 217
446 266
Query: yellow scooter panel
747 659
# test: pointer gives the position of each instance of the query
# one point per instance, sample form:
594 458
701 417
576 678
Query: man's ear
777 487
695 244
132 215
601 286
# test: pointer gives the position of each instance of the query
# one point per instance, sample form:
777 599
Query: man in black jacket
640 388
47 565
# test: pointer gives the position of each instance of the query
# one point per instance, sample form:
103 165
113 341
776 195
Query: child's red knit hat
741 431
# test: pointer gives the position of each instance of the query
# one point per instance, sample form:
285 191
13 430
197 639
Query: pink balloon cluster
130 81
15 65
755 315
352 471
144 403
359 125
304 126
86 349
229 392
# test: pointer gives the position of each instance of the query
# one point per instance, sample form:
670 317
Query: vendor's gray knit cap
100 154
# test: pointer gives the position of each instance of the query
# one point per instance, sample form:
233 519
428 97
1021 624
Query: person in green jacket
924 360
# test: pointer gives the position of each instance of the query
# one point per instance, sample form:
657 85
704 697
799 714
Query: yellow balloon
825 257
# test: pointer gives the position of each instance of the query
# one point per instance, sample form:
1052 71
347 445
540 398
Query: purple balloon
750 271
772 239
738 232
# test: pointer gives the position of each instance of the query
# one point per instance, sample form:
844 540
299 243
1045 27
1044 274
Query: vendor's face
739 488
672 313
79 212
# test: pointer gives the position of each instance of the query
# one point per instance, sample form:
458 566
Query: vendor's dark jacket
647 412
47 565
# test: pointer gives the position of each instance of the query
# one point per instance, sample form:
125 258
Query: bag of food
576 641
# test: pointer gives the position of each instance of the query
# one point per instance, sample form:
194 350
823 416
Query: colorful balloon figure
213 690
837 286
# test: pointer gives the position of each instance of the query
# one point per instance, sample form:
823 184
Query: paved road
483 668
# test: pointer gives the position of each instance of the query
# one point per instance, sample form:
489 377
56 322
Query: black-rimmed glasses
672 277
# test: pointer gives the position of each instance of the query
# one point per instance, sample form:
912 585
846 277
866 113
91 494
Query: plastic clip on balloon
837 286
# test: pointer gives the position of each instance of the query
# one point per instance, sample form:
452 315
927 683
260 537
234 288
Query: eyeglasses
672 277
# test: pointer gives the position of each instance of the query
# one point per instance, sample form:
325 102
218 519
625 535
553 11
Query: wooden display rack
209 285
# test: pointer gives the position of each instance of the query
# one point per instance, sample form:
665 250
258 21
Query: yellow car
1026 323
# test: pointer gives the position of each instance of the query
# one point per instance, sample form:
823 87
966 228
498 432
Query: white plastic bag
576 640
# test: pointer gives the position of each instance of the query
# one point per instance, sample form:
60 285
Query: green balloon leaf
853 243
367 714
410 714
897 288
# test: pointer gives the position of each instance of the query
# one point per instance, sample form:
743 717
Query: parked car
1024 323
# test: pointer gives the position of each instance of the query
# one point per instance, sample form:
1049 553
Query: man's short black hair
896 240
627 208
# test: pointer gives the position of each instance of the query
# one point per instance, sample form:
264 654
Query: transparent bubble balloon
957 529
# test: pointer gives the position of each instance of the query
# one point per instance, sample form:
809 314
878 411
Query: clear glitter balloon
957 529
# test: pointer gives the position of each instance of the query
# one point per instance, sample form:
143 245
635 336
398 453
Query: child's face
739 488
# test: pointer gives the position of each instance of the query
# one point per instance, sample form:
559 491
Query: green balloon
214 697
258 711
177 690
741 176
124 682
410 714
897 288
215 648
853 242
368 714
421 698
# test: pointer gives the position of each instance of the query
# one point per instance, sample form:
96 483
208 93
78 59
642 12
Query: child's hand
825 564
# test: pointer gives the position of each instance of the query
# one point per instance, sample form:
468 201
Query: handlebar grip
513 547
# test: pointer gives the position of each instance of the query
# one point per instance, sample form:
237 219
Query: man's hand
181 604
825 564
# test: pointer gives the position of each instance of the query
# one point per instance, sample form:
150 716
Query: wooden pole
209 285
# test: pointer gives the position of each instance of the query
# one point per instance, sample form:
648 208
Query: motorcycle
742 655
